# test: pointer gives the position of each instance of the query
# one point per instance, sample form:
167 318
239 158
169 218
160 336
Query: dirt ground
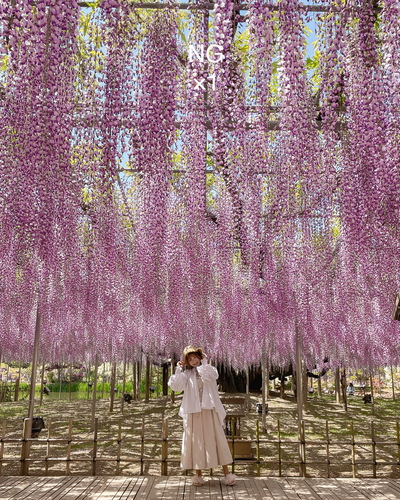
375 429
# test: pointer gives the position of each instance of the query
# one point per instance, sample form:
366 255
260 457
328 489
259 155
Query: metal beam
211 6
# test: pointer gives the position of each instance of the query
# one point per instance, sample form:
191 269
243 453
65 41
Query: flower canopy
172 176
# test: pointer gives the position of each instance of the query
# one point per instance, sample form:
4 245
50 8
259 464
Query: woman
204 444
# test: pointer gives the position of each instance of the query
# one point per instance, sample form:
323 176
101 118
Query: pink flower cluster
140 212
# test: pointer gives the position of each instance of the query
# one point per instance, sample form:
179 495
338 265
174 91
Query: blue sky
310 37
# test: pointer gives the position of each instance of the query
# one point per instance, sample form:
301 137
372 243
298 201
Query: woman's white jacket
186 381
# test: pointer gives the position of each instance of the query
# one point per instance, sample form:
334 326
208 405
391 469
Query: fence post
302 450
69 446
258 446
328 461
353 451
25 449
3 436
398 441
94 457
233 432
391 374
373 449
117 472
164 450
279 449
142 448
48 445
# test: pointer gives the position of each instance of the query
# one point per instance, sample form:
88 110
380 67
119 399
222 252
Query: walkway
174 488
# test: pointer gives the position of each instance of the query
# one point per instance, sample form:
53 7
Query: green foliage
274 83
16 364
313 69
183 26
82 387
242 47
4 63
93 4
336 227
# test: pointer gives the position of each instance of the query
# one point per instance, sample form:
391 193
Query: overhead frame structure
273 125
210 6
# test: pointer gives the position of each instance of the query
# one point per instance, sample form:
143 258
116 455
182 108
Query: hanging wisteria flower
141 211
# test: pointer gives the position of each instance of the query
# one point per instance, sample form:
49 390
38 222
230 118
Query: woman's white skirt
204 445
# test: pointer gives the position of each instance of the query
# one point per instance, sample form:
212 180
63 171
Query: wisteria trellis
141 211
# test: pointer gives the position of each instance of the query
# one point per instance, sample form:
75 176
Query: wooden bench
235 409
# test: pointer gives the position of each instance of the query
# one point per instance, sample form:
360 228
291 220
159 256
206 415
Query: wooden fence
268 455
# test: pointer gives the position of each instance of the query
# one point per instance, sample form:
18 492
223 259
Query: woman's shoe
198 480
229 479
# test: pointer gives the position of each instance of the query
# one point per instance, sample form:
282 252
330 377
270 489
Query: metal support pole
88 381
337 385
112 388
299 378
247 389
299 394
41 386
94 395
147 395
103 380
172 372
344 389
28 421
134 380
206 43
371 381
264 389
305 390
70 382
59 382
138 377
391 374
123 385
16 394
34 365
